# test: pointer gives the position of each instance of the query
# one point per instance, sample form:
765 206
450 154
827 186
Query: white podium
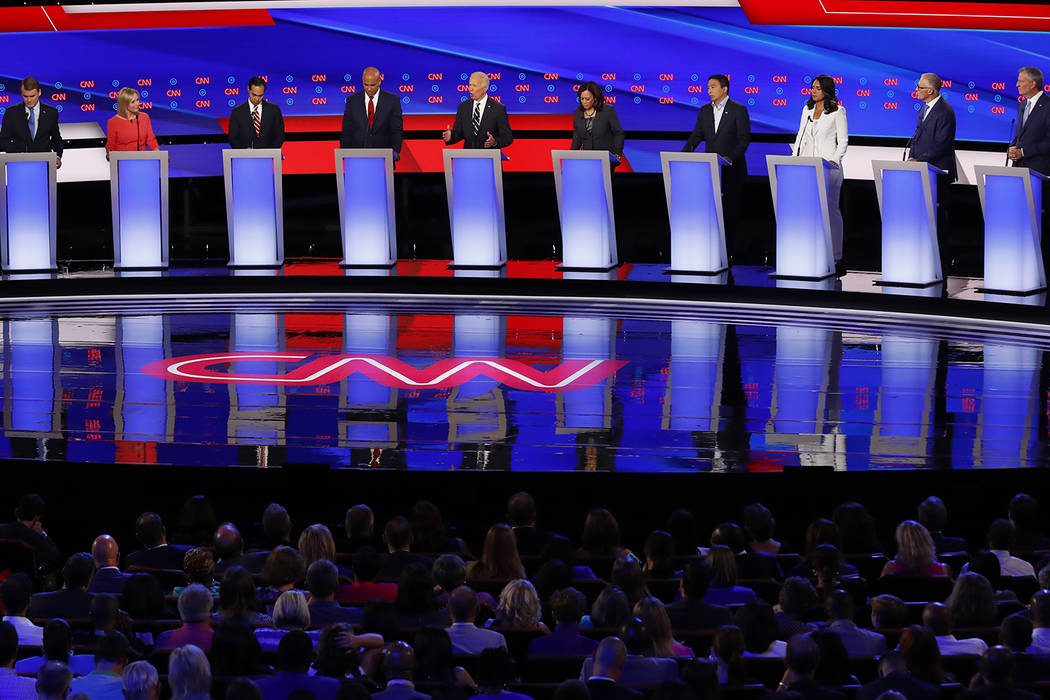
1012 202
28 212
800 203
907 193
693 186
583 182
474 184
254 207
139 193
365 181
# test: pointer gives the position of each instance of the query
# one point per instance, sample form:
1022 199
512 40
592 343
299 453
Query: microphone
1012 139
809 120
138 136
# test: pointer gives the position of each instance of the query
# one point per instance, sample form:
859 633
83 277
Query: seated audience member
692 611
1023 512
105 615
860 643
28 527
143 598
758 622
1039 612
228 546
398 537
759 525
195 603
156 552
723 589
828 569
364 588
560 547
52 683
399 662
104 683
915 553
359 526
237 601
610 610
495 671
189 674
796 601
834 660
657 624
894 675
322 579
603 682
802 658
294 656
197 522
567 608
428 531
518 607
1015 633
933 515
15 593
276 528
499 556
819 533
640 668
140 681
987 564
284 568
573 689
235 651
995 678
58 646
416 604
923 655
199 567
936 619
521 516
450 572
1001 535
467 638
245 689
600 538
108 578
857 528
552 576
888 612
628 577
659 550
335 658
11 685
972 602
73 600
749 564
316 544
436 667
290 612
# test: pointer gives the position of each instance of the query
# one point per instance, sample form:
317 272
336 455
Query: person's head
758 622
653 614
1039 609
610 608
105 552
149 530
77 571
856 525
659 548
295 652
243 689
128 102
449 571
568 605
478 86
997 666
822 89
397 534
932 512
277 524
415 590
322 579
1029 81
986 564
199 565
371 80
499 556
1043 576
914 546
428 527
8 645
30 91
291 611
359 521
758 522
433 649
888 612
682 526
802 655
58 640
717 87
104 611
696 579
591 96
143 597
1015 632
189 672
284 566
519 606
228 543
463 604
237 592
731 535
822 531
521 510
495 669
1001 534
839 606
827 562
333 660
723 566
52 680
234 650
15 592
627 575
111 651
601 533
316 543
928 87
797 596
609 658
1023 511
936 619
30 509
399 660
256 89
919 647
195 604
892 661
728 648
972 601
140 681
366 564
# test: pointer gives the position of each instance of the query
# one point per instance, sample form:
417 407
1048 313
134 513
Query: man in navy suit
399 660
481 122
934 139
725 128
375 120
567 606
108 578
256 123
158 554
31 127
72 600
295 653
1031 145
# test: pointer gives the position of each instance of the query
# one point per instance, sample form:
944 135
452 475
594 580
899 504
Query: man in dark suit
322 579
28 527
567 607
481 122
894 675
295 652
1031 145
158 554
802 658
604 680
933 515
373 120
31 126
399 662
521 515
725 128
108 578
691 612
398 538
229 550
934 139
72 600
256 123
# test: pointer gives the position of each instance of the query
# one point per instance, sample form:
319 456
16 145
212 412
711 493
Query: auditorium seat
550 669
1023 586
749 691
518 639
591 588
767 671
869 566
16 556
765 588
168 578
954 560
961 667
914 588
666 588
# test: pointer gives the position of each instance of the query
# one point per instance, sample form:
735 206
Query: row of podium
1011 199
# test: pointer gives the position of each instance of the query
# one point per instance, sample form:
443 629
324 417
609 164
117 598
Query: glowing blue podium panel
141 407
693 398
693 185
800 202
1012 201
32 381
1007 422
254 206
474 184
27 212
365 181
139 194
904 424
907 194
583 182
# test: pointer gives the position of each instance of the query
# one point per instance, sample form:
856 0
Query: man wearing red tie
256 123
372 120
481 122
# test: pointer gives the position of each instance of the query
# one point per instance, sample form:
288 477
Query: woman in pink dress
915 554
129 129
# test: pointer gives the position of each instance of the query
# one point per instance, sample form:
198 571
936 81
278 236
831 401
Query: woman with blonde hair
518 607
290 612
189 674
130 129
915 553
653 614
499 557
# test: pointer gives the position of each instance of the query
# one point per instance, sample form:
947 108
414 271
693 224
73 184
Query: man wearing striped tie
481 122
256 123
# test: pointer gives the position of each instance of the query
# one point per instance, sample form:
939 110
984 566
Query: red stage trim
163 19
24 19
898 13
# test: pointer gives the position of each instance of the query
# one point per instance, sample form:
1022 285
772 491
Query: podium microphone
1012 139
809 120
907 146
138 136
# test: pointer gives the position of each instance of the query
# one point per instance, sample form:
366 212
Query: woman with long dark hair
595 126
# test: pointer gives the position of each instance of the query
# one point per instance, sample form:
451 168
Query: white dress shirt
1040 641
482 102
950 646
1008 565
28 633
719 109
825 138
929 107
251 111
375 101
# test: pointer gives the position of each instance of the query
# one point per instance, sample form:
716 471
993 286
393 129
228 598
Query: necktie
477 117
32 124
1027 111
371 112
925 111
256 119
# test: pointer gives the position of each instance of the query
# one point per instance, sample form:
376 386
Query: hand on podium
911 160
447 133
490 141
58 163
1015 153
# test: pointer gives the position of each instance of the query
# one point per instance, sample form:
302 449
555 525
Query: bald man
372 119
607 667
108 578
400 663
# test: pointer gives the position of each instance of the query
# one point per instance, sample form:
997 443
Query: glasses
923 87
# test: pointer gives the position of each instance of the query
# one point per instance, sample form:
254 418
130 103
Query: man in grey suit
859 643
468 638
400 663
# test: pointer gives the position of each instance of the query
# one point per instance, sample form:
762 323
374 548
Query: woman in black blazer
594 123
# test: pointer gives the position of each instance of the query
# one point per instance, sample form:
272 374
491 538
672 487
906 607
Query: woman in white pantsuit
822 132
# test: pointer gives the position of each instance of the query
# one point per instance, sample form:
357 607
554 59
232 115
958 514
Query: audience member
994 680
73 600
1023 512
495 671
52 683
108 578
235 651
796 601
933 515
140 681
572 689
15 593
972 602
723 589
682 526
888 612
1039 612
156 552
603 682
199 567
28 527
12 686
229 551
294 655
290 612
428 531
416 604
58 646
519 607
834 660
195 604
237 601
366 562
322 579
802 658
600 538
466 637
860 643
189 674
915 553
922 654
316 544
627 575
284 568
659 550
276 528
397 535
657 624
359 527
936 619
857 528
521 516
450 572
567 608
610 610
245 689
143 598
499 556
560 547
1001 535
987 564
758 623
435 665
820 532
749 564
760 525
894 675
399 662
727 651
104 682
1015 633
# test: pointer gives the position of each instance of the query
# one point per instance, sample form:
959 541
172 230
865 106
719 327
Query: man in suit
859 643
158 554
1030 147
31 126
567 607
295 653
72 600
481 122
398 538
229 549
933 515
256 123
28 526
374 120
691 612
894 675
604 680
468 638
995 678
725 128
400 664
322 578
934 139
108 578
802 658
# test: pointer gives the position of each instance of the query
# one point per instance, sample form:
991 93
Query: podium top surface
28 157
916 165
690 157
138 155
982 171
364 153
812 161
251 153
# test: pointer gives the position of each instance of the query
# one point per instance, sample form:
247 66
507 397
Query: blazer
732 138
565 640
283 684
934 139
493 119
827 136
606 133
165 556
108 580
130 135
696 614
64 603
271 127
859 643
1033 137
14 131
387 123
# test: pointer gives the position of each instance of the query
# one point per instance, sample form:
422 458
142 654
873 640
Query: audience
922 654
657 624
627 575
156 552
499 557
933 515
28 527
723 589
691 611
1023 512
894 675
495 671
12 686
600 538
295 653
936 619
322 579
1001 536
284 568
290 612
417 602
603 683
397 535
610 610
108 578
195 604
797 600
521 516
16 592
995 675
189 674
859 643
1039 612
366 561
915 553
758 622
399 661
58 646
73 599
237 600
140 681
567 608
972 601
52 683
467 638
229 551
104 682
888 612
802 657
518 607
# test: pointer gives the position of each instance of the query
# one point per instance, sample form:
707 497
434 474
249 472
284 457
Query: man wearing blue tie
31 127
934 139
1031 145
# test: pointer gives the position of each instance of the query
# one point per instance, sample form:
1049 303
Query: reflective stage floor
411 380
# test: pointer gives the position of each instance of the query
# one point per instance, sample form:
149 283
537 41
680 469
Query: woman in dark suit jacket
594 123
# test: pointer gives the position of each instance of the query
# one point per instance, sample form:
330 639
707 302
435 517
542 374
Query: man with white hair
141 682
481 121
195 603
